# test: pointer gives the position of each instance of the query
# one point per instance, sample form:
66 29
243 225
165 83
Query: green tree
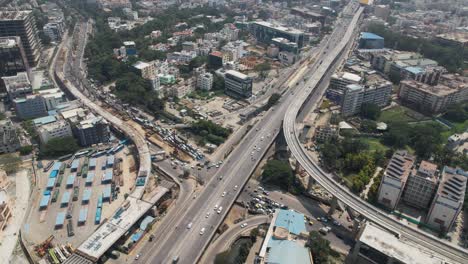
279 173
457 113
59 146
26 150
10 163
320 248
370 111
218 83
274 98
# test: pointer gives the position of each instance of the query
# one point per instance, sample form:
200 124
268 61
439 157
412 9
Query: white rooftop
397 248
237 74
141 65
351 76
107 234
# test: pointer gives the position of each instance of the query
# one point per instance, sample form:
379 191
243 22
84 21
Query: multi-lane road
188 243
440 249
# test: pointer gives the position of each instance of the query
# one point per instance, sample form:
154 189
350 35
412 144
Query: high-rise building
57 129
448 201
265 32
394 179
421 185
12 56
22 24
355 96
237 84
31 106
205 81
91 131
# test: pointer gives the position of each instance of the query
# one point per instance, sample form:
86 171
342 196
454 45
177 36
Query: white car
207 215
220 209
137 256
189 225
243 225
224 194
216 207
235 188
202 231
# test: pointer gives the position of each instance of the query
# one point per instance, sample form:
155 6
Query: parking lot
77 193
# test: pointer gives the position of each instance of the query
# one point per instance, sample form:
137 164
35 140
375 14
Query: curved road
225 240
446 251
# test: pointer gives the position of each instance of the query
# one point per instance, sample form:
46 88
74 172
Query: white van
220 209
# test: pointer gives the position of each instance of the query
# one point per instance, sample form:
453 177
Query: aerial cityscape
234 131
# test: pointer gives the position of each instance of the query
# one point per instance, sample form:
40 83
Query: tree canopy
370 111
320 248
57 147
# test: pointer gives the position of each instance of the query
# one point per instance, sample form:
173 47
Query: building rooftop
399 249
427 169
400 165
461 37
141 65
291 220
8 42
286 251
453 183
44 120
437 90
279 28
237 74
108 233
14 15
368 35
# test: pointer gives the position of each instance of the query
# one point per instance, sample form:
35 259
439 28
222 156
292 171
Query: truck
75 193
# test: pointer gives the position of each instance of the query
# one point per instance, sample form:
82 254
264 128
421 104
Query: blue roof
89 177
75 164
44 120
414 70
92 162
86 195
106 193
146 221
71 180
53 174
44 201
368 35
107 176
110 160
51 183
291 220
60 219
286 251
57 165
137 236
65 198
83 214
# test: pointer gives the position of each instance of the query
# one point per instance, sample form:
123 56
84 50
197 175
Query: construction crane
41 249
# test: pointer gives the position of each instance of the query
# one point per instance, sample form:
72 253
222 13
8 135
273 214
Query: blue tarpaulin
137 236
65 198
75 164
60 219
70 180
106 193
92 163
83 215
56 166
107 176
51 183
86 195
44 201
110 161
89 178
53 174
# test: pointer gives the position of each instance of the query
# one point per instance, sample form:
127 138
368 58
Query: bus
70 211
53 257
60 254
65 157
75 193
55 195
99 205
48 166
62 168
59 180
70 231
82 153
97 219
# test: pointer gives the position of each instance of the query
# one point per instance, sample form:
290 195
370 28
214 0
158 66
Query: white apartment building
205 81
452 89
448 201
52 98
340 80
57 129
394 179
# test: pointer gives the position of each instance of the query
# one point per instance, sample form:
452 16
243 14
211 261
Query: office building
52 98
429 75
394 179
265 32
421 186
22 24
215 60
237 84
92 130
31 106
13 57
287 57
285 45
375 245
369 40
452 89
448 201
205 81
9 141
17 86
57 129
285 240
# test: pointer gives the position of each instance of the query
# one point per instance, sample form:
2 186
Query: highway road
188 243
439 248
